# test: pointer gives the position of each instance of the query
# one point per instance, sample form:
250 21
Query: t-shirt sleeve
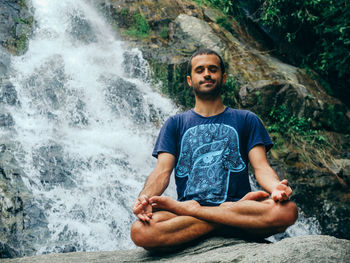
166 141
257 133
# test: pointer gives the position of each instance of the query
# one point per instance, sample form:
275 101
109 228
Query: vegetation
230 90
173 82
226 6
284 122
140 27
319 29
164 32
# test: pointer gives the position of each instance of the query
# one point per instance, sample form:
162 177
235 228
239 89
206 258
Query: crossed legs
186 221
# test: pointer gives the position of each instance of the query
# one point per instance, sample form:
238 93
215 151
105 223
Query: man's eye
213 69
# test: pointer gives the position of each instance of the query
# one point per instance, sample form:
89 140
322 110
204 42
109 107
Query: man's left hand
282 191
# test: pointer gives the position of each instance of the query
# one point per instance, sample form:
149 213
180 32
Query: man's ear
189 81
224 76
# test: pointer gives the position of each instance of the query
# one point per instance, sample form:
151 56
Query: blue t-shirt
212 153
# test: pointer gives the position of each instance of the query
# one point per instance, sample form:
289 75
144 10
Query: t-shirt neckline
210 116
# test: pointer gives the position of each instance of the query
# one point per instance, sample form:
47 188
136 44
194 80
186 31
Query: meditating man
210 147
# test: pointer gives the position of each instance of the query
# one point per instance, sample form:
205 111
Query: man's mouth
207 82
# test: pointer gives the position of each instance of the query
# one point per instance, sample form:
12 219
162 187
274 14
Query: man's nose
207 73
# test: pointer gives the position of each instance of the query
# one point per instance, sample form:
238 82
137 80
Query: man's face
206 77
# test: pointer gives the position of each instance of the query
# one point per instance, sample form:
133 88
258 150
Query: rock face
178 28
297 249
21 221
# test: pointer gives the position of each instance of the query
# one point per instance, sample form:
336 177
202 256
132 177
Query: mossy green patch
173 82
140 27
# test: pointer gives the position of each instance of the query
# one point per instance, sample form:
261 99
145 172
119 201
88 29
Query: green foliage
173 82
320 29
164 32
226 6
223 22
140 27
230 92
284 122
336 119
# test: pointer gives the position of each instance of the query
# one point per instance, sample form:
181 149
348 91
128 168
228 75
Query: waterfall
85 124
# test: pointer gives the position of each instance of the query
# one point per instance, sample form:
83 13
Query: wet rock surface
16 25
21 220
297 249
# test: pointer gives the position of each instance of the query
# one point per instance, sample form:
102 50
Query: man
210 147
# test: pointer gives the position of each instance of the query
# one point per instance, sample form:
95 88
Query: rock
194 33
21 220
8 93
81 29
53 167
190 27
16 24
300 100
6 120
298 249
344 166
4 62
124 98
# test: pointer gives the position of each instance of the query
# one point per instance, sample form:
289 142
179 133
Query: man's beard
211 94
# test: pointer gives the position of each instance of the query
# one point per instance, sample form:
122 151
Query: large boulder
298 249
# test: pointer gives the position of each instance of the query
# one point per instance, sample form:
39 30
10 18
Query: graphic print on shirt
209 152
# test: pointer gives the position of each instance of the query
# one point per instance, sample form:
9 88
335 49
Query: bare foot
256 196
179 208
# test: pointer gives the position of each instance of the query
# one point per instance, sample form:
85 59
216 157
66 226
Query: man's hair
205 52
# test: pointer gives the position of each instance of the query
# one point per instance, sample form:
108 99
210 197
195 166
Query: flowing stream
85 124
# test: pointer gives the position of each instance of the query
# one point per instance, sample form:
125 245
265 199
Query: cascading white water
86 125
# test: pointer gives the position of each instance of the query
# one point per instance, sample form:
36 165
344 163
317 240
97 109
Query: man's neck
207 108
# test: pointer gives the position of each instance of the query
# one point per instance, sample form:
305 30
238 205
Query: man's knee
292 208
147 235
137 234
284 214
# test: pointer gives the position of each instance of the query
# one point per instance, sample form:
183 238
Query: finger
141 217
275 198
154 199
279 197
285 182
136 204
138 209
155 205
284 196
147 219
143 199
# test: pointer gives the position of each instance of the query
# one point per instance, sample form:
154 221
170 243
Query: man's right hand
142 208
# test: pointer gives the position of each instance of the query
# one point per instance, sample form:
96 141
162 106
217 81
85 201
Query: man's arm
156 184
266 176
